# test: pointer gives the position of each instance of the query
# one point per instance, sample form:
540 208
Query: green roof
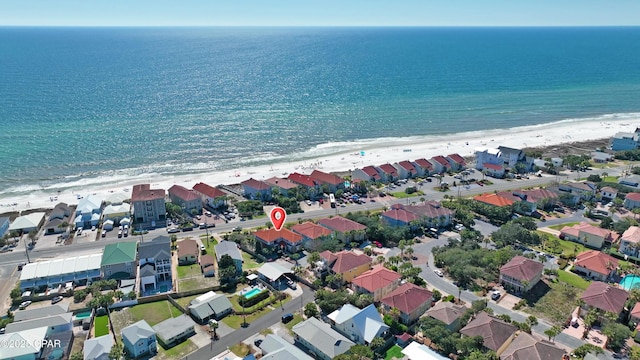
119 253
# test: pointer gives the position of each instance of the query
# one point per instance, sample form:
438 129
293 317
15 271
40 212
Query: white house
361 326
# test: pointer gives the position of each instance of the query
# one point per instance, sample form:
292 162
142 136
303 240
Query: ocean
99 105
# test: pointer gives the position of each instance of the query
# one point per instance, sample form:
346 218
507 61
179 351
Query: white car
173 230
438 272
308 202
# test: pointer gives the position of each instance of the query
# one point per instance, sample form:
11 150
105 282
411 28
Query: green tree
117 350
311 310
532 320
617 335
377 343
552 332
77 356
582 350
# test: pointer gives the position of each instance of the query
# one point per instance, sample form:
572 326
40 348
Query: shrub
449 298
254 300
562 263
410 190
79 295
437 295
520 304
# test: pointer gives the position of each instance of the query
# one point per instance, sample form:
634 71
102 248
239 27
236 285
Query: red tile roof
597 261
408 297
208 191
536 195
340 224
143 192
344 261
377 278
371 171
633 196
456 158
492 166
325 178
328 256
302 179
183 193
424 163
431 210
311 230
272 236
521 268
635 312
388 169
256 184
400 214
494 332
605 297
632 234
408 166
440 160
285 184
493 199
589 229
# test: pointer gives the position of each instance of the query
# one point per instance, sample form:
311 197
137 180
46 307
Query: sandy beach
355 155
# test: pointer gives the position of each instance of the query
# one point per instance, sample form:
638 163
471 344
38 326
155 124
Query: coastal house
139 339
275 274
37 313
207 265
487 156
388 173
175 330
520 274
187 252
512 157
116 212
608 193
27 223
632 201
456 162
276 348
367 173
97 348
423 167
320 339
412 301
604 297
4 225
601 157
539 198
148 207
493 170
59 216
359 325
398 216
256 189
307 182
596 265
376 282
229 248
346 230
119 261
634 314
493 199
285 239
210 306
53 324
311 231
630 241
283 185
209 195
496 334
448 313
327 181
346 263
581 191
589 235
88 212
631 180
440 164
53 273
625 141
417 351
405 169
432 214
154 260
188 199
528 346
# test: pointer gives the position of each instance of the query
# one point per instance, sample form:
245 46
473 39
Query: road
264 322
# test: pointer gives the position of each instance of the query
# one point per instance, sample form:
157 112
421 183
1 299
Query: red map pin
278 216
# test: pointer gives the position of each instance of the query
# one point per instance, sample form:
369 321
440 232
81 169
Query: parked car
24 304
56 300
438 272
257 342
104 233
173 230
79 231
308 202
495 296
287 318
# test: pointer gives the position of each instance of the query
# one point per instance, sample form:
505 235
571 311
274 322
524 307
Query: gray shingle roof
323 337
276 348
217 304
57 309
171 328
98 348
158 248
228 248
138 331
55 320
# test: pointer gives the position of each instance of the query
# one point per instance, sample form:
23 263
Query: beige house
187 252
496 334
346 263
630 241
589 235
596 265
376 282
521 274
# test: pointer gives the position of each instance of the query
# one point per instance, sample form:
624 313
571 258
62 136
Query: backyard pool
83 315
251 293
630 281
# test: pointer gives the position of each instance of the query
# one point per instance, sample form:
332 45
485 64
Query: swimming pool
630 281
251 293
83 315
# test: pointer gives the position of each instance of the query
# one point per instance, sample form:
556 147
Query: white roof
70 265
117 197
368 321
28 341
204 297
116 209
125 221
107 222
89 204
27 221
98 348
273 271
416 351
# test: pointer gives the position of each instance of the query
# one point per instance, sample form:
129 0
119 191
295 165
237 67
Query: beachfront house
59 216
256 189
282 185
116 212
4 225
632 201
229 248
412 301
520 274
367 173
493 170
456 162
328 182
313 188
320 339
188 199
601 157
376 282
148 207
423 167
154 260
405 169
630 241
139 339
119 261
487 156
187 252
284 239
591 236
175 330
625 141
88 212
388 173
209 195
360 325
26 223
346 230
596 265
440 164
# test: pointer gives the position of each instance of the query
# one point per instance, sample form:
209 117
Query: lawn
154 312
235 301
249 262
240 349
560 226
556 304
184 301
235 321
573 279
177 352
190 284
404 195
297 318
565 247
101 325
612 179
394 352
189 271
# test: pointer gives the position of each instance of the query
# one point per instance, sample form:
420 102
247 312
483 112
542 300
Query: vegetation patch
573 279
189 271
554 303
394 352
240 349
297 318
177 352
154 312
101 325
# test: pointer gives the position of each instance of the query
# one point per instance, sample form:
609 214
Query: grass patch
154 312
235 321
555 304
565 247
573 279
240 349
612 179
184 301
249 262
266 331
394 352
560 226
189 271
190 284
297 318
177 352
101 325
404 195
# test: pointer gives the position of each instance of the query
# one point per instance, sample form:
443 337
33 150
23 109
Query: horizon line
311 26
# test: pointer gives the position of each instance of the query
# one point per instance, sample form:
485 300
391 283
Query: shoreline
355 155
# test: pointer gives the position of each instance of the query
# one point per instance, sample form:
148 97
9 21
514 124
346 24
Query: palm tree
213 325
402 245
395 313
377 343
553 331
409 252
380 259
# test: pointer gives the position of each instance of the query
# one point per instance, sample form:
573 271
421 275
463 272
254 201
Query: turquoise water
251 293
87 106
83 315
630 281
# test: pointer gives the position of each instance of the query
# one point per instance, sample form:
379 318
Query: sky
319 13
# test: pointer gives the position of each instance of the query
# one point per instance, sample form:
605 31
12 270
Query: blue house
4 225
88 212
625 141
139 339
